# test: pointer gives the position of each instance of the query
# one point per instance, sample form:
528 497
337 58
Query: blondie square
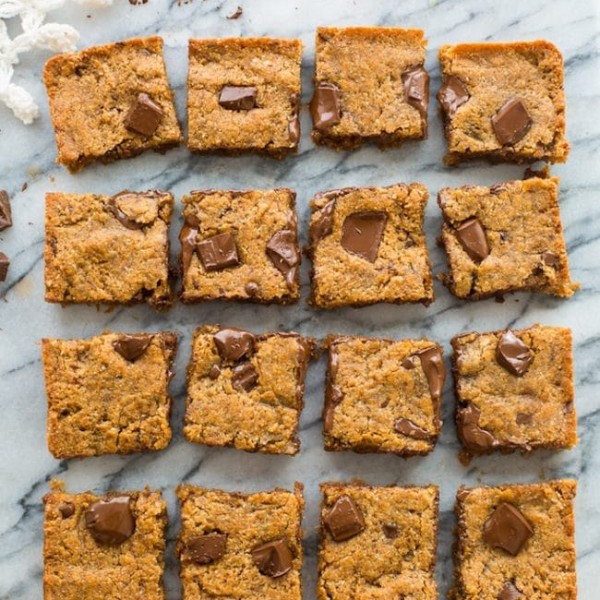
370 85
108 394
111 102
503 102
236 545
246 390
382 395
240 245
368 245
104 547
516 542
244 95
108 249
377 543
505 238
514 390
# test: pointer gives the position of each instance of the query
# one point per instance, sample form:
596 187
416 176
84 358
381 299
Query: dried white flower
36 34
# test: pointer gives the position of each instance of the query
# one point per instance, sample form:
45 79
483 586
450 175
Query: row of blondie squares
503 101
367 245
376 542
109 394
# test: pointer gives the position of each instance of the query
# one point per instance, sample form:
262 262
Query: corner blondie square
240 245
516 542
242 546
503 102
367 245
370 85
108 394
106 547
111 102
246 390
378 542
383 395
515 390
505 238
244 95
108 249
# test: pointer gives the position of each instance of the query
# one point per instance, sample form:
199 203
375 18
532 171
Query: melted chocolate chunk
218 252
473 436
512 354
294 121
325 106
471 236
408 428
131 347
362 233
214 372
274 558
390 531
282 251
452 95
322 226
126 220
245 377
234 97
144 116
550 259
4 265
188 239
232 344
509 592
111 521
206 549
511 123
66 510
416 88
433 367
507 528
344 520
5 212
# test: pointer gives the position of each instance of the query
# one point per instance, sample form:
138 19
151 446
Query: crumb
237 14
24 186
137 2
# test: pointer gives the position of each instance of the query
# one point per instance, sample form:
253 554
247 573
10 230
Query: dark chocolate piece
252 288
550 259
408 428
416 88
362 233
127 221
110 521
214 372
507 528
131 347
274 558
239 11
511 123
206 549
513 354
245 377
509 592
390 531
323 224
294 121
144 116
233 343
325 106
282 250
452 95
234 97
188 239
218 252
471 236
66 510
5 212
473 436
433 367
4 265
344 520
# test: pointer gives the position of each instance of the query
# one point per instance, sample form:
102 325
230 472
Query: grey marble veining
27 155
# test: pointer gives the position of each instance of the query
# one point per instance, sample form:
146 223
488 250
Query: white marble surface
27 155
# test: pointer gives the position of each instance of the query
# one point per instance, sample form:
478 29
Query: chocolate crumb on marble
5 211
4 266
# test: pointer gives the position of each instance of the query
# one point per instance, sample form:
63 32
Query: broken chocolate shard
218 252
4 265
294 120
144 116
214 372
344 520
432 364
452 95
416 88
511 123
325 106
471 236
232 344
507 528
408 428
206 549
509 592
236 97
131 347
282 251
390 531
362 233
244 377
274 558
470 433
5 212
513 354
111 521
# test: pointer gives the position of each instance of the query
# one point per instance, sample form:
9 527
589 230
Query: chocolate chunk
131 347
334 397
507 528
252 288
66 510
473 436
408 363
322 226
144 116
214 372
509 592
236 14
513 354
4 265
471 236
218 252
362 233
416 88
550 259
273 559
390 531
344 520
294 121
282 250
511 123
110 521
245 377
409 429
325 106
5 212
234 97
433 367
128 198
233 343
188 239
452 95
207 548
524 419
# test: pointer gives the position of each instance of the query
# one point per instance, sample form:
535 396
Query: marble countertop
27 155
